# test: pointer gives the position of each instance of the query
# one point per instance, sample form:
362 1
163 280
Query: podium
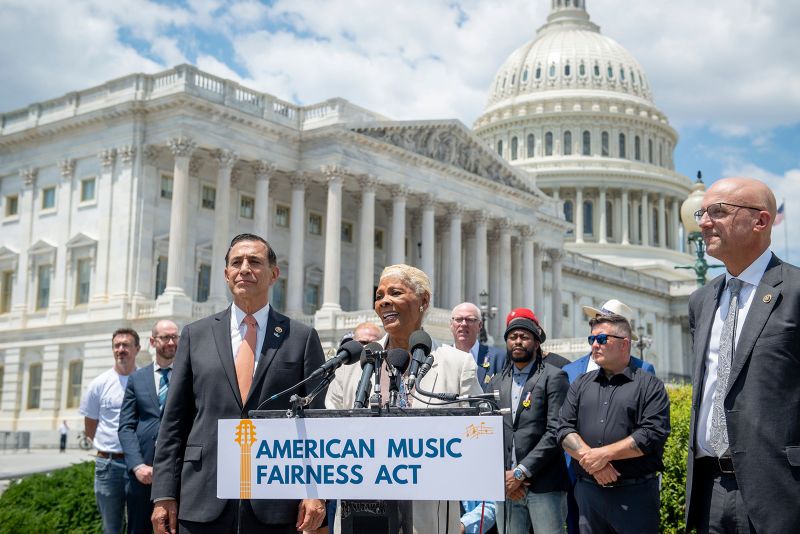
371 460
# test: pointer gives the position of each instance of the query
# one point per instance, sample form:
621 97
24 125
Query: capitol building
117 204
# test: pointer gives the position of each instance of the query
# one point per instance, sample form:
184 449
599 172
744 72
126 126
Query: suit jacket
763 399
204 389
139 418
533 430
496 361
579 366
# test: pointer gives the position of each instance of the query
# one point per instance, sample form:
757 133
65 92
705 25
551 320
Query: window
525 75
548 144
637 148
278 298
650 151
622 145
531 145
34 386
660 154
311 303
513 78
166 186
282 214
247 207
552 70
604 144
83 277
565 310
500 148
596 70
567 70
12 205
568 211
88 189
514 147
610 73
538 72
588 221
622 74
203 282
379 239
567 143
48 198
609 219
347 232
582 70
74 379
161 275
587 143
6 291
315 224
208 197
43 274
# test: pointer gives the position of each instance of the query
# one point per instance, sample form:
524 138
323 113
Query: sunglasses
602 339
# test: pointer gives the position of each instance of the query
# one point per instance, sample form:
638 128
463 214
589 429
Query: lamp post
643 342
487 313
693 203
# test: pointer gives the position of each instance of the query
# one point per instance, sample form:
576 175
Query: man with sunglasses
743 472
614 424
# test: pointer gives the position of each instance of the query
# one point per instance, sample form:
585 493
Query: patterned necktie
163 387
727 342
246 357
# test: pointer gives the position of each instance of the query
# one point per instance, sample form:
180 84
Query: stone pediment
81 240
41 248
449 143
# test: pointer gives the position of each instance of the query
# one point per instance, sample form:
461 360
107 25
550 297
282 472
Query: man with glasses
140 419
465 325
743 472
614 424
100 407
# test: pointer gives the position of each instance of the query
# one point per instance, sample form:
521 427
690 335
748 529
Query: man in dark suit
536 477
226 365
743 471
139 420
465 324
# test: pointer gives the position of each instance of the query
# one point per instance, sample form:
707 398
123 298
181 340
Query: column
445 263
662 221
675 354
297 234
105 196
481 258
527 268
59 302
397 249
645 221
11 400
366 244
494 283
516 272
556 255
579 215
51 380
538 279
454 275
428 262
504 300
625 223
182 148
470 293
333 239
21 285
264 172
120 251
635 222
603 233
675 225
143 255
226 159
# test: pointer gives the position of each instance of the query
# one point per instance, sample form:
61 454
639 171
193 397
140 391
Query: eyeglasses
716 211
602 339
167 339
468 320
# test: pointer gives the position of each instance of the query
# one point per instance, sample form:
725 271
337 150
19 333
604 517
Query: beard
529 355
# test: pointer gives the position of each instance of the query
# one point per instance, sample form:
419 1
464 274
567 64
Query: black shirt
603 411
555 359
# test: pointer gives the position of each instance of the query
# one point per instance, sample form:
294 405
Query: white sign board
392 458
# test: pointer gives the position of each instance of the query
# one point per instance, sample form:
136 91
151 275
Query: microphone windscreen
368 354
399 359
420 340
352 350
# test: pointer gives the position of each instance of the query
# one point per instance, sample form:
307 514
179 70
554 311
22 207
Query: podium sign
392 458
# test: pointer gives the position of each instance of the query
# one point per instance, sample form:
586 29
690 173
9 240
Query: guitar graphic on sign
245 437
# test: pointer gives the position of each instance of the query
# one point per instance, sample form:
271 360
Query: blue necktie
163 387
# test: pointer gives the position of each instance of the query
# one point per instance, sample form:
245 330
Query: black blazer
203 389
534 429
139 418
763 399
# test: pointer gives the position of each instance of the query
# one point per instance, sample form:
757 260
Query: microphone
420 343
425 367
397 361
348 354
368 367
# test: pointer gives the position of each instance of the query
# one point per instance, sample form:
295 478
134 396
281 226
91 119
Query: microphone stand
375 398
298 403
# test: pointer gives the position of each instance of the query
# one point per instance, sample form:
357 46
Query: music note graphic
245 437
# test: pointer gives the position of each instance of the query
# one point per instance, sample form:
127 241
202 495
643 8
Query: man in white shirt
100 407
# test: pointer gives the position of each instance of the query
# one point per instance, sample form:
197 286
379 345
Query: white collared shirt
157 375
475 350
750 278
239 329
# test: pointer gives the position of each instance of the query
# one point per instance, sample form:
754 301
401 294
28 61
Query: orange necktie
246 357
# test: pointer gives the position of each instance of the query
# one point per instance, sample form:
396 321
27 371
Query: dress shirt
475 350
591 365
750 278
518 379
603 411
239 329
157 375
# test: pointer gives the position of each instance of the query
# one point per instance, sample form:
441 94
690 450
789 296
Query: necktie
163 387
246 357
727 342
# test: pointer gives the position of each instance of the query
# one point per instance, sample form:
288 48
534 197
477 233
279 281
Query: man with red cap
549 357
535 475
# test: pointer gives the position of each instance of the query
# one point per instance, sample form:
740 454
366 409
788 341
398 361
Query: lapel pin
527 402
278 331
487 378
486 362
767 298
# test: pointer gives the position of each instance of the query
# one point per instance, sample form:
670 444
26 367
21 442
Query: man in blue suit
583 365
465 324
139 421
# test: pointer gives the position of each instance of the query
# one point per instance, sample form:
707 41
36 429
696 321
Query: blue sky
724 71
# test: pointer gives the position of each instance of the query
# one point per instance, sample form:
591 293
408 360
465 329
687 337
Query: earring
421 309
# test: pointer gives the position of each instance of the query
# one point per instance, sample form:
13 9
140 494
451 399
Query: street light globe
693 203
